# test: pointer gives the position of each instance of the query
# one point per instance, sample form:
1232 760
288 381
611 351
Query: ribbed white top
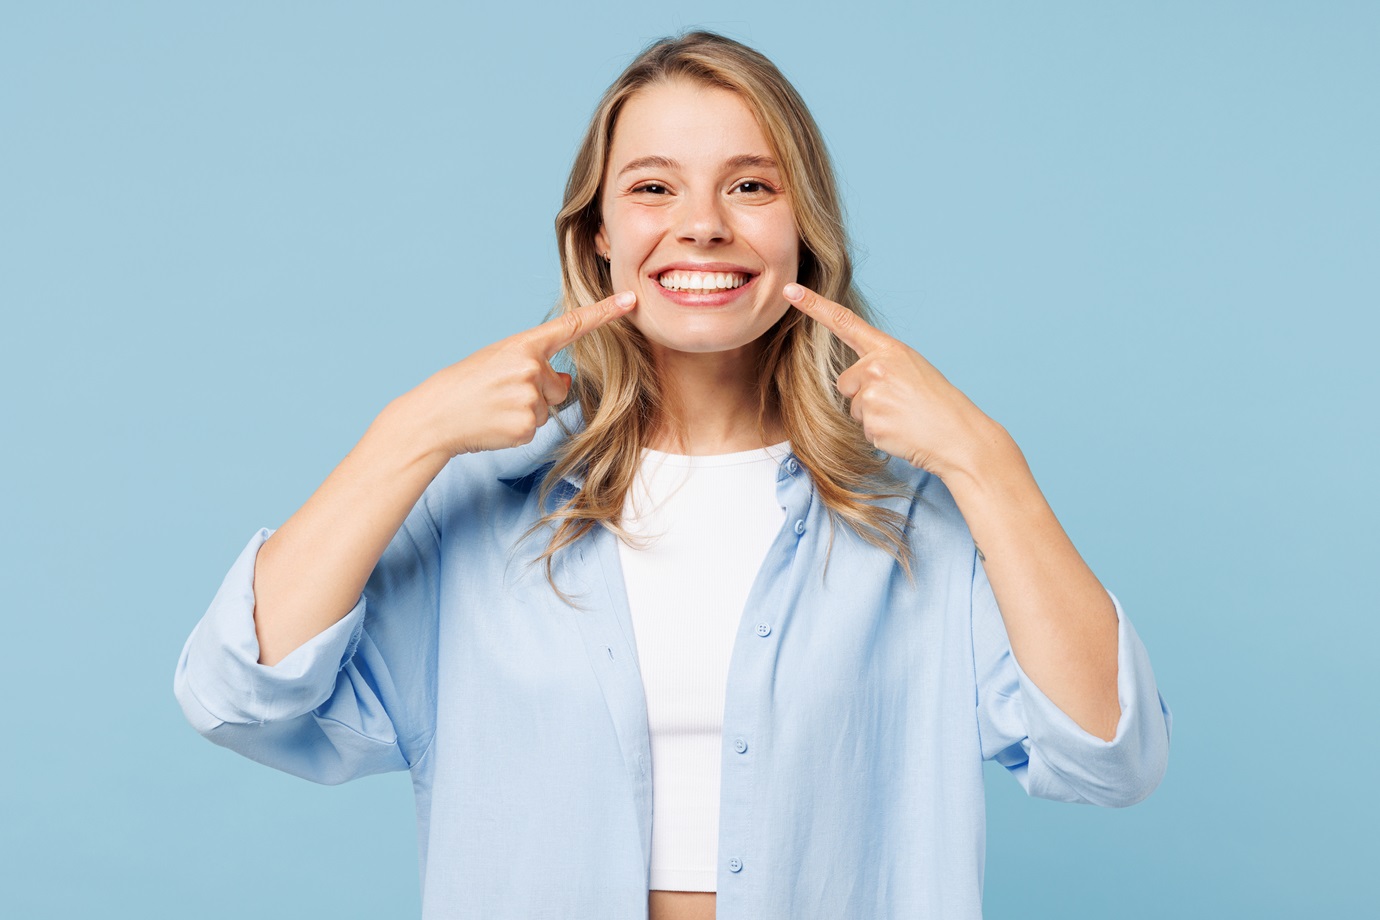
704 524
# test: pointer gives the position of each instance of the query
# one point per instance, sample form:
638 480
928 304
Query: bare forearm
310 572
1059 618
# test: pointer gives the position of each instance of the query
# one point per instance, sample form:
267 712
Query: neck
712 404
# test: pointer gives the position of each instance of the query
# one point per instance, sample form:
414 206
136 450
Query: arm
318 653
1062 626
310 573
341 693
1049 754
1060 620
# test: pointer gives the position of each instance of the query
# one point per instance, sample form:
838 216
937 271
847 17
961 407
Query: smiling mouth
702 282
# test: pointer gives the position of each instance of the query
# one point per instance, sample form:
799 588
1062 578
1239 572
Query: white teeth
702 281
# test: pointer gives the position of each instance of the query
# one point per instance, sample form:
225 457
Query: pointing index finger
851 328
555 334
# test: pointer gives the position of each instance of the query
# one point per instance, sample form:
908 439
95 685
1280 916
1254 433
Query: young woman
734 635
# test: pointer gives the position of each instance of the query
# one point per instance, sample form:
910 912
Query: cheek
632 228
778 242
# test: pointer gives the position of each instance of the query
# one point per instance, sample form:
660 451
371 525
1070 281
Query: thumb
555 388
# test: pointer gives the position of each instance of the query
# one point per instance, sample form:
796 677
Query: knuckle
521 429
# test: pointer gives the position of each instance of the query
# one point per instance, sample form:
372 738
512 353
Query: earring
608 257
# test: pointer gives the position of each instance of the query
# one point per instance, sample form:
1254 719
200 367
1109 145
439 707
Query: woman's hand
500 395
907 408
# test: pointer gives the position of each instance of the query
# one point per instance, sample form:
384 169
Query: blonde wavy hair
615 379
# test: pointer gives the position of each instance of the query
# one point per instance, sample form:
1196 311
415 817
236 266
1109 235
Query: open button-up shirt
860 708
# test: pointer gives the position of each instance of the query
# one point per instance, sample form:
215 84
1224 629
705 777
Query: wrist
990 454
407 424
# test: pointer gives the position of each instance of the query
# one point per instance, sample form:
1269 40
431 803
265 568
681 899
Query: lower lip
717 299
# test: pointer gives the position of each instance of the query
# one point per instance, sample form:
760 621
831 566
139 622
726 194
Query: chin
698 344
701 335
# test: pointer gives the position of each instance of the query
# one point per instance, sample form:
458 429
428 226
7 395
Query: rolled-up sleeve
1047 751
349 702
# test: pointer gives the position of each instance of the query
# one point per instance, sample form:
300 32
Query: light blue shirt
860 708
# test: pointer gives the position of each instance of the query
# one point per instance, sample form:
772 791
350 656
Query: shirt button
792 467
735 865
763 629
739 745
799 527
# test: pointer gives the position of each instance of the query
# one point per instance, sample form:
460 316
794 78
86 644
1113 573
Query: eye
756 188
656 188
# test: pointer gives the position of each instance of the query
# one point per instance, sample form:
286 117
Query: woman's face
696 219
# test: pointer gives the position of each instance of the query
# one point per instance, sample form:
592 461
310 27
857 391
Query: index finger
555 334
851 328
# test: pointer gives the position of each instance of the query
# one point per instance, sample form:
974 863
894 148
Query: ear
601 241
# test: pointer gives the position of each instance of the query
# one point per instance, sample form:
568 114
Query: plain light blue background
1144 237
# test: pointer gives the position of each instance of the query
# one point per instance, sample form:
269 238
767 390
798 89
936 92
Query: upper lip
702 267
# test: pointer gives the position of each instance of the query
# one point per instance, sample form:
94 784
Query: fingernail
625 299
794 290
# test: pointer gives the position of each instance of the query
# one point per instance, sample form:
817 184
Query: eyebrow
738 162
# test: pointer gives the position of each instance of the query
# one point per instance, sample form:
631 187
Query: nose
702 220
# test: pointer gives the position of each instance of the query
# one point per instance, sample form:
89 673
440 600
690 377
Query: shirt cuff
219 678
1118 772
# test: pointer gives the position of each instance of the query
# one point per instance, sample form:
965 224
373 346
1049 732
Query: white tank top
704 526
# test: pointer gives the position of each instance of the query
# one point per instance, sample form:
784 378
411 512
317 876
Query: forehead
696 125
